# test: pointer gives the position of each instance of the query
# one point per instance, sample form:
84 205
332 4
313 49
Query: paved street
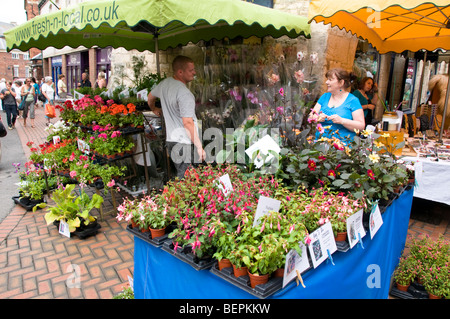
37 262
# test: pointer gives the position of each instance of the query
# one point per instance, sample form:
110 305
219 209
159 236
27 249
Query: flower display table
358 273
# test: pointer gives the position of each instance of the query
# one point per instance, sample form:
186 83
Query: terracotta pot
238 272
144 230
402 287
397 189
341 236
158 232
256 279
431 296
278 273
224 263
133 224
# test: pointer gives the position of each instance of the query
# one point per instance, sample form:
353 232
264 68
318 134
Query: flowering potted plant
357 167
155 213
32 185
404 274
437 281
129 211
110 143
225 243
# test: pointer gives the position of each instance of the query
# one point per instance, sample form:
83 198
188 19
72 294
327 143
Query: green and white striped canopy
153 24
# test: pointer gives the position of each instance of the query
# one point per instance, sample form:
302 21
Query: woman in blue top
338 109
366 96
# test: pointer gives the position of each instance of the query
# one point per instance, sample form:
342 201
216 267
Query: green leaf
338 182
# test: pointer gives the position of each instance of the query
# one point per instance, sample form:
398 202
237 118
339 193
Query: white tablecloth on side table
432 179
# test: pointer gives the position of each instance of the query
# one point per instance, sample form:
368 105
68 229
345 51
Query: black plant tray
87 232
415 291
342 246
84 231
184 254
147 237
243 282
26 203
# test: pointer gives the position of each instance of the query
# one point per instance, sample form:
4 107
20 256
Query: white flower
300 55
314 57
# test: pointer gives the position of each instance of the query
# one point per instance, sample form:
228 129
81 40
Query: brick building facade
14 64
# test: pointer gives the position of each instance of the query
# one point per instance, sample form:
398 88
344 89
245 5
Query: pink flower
111 183
320 128
175 247
299 76
281 91
115 134
307 240
280 110
73 174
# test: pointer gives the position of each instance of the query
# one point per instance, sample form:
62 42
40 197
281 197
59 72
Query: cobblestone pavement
37 262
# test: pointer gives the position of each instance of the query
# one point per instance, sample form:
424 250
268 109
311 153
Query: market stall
363 272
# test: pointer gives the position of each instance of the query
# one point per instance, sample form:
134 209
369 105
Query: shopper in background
101 80
62 87
49 92
367 96
37 91
2 86
17 86
28 93
338 110
85 83
8 96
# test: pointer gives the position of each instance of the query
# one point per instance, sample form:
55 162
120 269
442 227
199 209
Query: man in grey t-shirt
178 107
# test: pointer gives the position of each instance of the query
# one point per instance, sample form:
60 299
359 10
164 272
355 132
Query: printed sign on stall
375 220
265 205
322 244
295 264
355 228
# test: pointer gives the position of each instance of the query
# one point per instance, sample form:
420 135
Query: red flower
311 165
371 174
331 173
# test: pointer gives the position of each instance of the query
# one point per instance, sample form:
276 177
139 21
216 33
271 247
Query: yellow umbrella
389 26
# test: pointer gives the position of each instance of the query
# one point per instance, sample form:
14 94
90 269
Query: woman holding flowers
339 111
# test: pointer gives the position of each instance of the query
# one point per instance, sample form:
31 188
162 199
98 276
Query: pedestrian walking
17 85
62 87
8 96
37 91
48 90
28 93
2 86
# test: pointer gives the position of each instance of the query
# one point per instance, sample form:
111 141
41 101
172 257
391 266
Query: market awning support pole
422 76
156 52
445 106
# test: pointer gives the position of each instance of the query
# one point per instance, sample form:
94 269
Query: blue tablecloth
358 273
